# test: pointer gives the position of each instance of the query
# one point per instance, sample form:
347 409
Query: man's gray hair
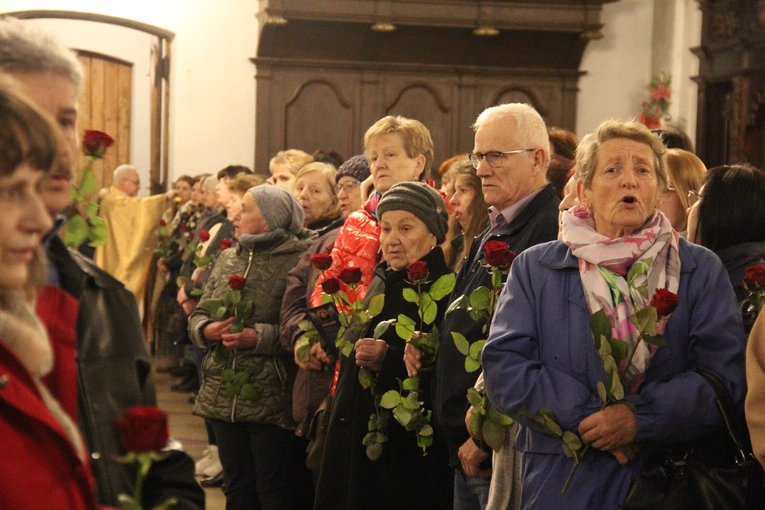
531 132
26 49
121 172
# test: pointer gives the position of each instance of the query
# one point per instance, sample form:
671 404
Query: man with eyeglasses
130 221
511 155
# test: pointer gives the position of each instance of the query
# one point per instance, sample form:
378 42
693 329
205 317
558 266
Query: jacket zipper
233 363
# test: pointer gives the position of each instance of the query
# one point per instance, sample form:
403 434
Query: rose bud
95 143
236 282
162 223
756 275
322 261
191 236
350 275
142 429
665 302
330 286
184 228
226 244
204 236
498 254
417 271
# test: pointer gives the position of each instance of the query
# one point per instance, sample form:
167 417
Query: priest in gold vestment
131 222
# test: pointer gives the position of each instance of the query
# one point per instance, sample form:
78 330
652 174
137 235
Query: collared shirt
510 213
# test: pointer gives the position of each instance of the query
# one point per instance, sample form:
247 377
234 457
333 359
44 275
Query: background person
686 173
284 167
315 190
531 363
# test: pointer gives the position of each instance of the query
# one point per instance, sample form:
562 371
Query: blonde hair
242 182
328 172
686 172
293 159
587 150
414 135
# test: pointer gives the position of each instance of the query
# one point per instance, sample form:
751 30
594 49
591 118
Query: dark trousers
263 467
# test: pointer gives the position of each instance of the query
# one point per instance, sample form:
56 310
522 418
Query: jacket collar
527 213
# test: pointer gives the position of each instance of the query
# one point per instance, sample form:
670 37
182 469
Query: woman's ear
420 167
582 194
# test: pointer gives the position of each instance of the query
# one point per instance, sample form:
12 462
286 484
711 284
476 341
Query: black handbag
718 471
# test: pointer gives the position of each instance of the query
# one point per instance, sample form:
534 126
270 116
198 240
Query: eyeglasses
348 187
494 158
694 196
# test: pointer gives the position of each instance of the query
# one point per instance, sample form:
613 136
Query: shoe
212 470
188 384
216 481
209 458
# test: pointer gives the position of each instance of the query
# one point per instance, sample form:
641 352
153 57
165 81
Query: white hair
122 171
531 132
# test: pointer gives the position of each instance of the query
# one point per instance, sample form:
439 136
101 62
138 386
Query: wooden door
105 102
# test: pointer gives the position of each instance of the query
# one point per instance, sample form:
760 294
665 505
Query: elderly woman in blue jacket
617 249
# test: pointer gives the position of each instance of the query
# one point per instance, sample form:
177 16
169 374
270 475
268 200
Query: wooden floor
184 427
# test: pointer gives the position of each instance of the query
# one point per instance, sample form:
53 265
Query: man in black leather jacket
113 363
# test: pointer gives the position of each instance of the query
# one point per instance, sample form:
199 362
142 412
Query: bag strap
728 410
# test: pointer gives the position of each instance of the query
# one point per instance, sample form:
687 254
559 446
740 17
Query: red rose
226 244
329 248
191 236
322 261
330 286
665 302
755 275
417 271
184 228
350 275
142 428
204 236
498 254
162 223
95 143
236 282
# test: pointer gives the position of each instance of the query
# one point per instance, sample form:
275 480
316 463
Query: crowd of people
354 337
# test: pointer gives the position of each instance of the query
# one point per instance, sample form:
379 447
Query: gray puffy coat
272 369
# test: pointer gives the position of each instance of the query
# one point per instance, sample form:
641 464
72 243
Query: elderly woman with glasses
616 252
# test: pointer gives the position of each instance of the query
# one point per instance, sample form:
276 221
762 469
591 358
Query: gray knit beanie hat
279 208
356 167
421 200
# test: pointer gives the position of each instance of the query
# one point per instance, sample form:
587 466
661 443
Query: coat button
4 380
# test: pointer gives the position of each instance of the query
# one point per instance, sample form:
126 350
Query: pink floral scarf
621 275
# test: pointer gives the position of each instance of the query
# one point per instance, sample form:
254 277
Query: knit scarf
621 275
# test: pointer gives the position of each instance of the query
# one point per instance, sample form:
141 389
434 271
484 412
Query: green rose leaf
443 286
572 440
656 340
196 292
410 402
411 295
241 377
244 309
382 327
493 434
471 365
306 325
645 320
602 391
374 451
476 348
326 298
461 303
476 314
461 343
233 296
390 399
476 421
552 425
426 430
98 233
474 397
618 349
376 305
428 309
411 384
88 184
302 346
480 298
617 390
600 325
495 415
248 392
220 312
76 231
219 353
402 415
212 306
237 326
365 377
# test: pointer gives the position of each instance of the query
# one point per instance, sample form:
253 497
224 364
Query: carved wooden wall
731 119
321 83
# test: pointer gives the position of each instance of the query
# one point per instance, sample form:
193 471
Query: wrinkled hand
412 357
612 430
366 188
247 339
215 330
316 357
467 423
187 304
161 264
198 271
626 454
471 458
370 353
